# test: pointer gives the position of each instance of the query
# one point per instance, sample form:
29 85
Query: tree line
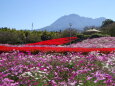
13 36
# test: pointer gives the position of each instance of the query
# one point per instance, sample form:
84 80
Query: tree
45 36
107 22
66 32
109 29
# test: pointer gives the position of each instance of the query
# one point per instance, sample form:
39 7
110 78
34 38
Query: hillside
77 22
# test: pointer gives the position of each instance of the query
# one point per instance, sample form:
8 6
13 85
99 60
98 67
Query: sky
20 14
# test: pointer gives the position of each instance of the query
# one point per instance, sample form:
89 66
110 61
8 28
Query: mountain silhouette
77 22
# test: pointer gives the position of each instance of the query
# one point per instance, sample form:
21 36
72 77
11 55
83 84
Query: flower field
103 42
57 69
58 41
56 64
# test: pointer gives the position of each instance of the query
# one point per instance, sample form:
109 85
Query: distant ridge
77 22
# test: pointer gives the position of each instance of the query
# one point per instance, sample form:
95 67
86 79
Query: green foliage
69 32
109 29
81 37
107 22
45 36
96 35
8 37
12 36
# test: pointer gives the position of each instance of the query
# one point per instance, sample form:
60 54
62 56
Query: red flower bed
58 41
56 49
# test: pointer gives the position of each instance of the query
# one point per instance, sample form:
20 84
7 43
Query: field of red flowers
54 49
31 47
58 41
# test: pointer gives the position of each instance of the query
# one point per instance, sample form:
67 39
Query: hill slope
77 22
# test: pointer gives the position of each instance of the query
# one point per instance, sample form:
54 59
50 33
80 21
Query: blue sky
20 14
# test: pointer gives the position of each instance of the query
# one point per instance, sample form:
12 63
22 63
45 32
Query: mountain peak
74 15
77 22
71 15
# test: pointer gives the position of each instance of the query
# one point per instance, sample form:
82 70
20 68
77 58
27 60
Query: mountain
77 22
